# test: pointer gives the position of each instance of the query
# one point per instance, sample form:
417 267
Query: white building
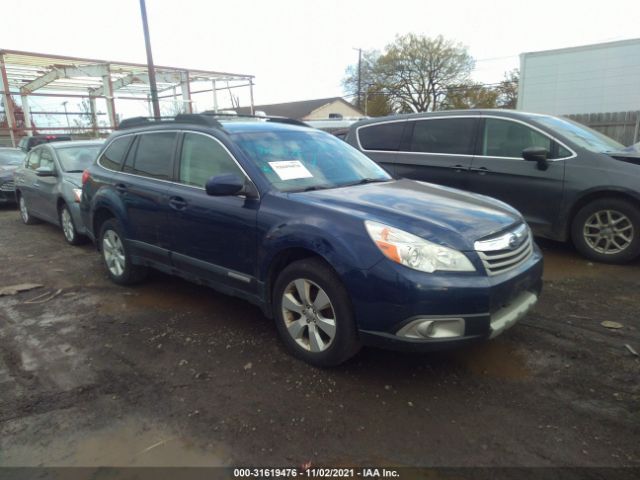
600 78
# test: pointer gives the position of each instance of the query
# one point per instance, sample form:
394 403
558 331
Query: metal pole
150 67
26 111
66 114
215 96
8 106
251 94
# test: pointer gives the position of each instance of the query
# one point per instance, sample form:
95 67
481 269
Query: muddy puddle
131 443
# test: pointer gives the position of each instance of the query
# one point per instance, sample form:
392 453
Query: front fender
108 199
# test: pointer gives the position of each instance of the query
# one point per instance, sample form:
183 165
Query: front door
212 237
500 171
44 193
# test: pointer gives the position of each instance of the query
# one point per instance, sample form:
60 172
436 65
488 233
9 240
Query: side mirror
536 154
224 185
45 172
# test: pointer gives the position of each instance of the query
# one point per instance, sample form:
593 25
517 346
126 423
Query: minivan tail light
85 176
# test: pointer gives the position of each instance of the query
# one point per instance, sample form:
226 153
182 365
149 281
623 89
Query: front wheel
607 230
116 256
313 314
71 234
25 215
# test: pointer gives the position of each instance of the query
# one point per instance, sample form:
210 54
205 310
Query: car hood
74 178
626 156
7 170
439 214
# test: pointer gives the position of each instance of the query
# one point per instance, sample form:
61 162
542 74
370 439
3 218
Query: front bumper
401 304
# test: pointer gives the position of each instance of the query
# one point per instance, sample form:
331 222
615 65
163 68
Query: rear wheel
313 314
26 217
116 255
607 230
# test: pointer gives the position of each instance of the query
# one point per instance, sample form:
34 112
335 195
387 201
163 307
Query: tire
116 257
324 334
607 230
68 226
25 215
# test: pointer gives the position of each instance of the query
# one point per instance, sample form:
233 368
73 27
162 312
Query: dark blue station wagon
319 236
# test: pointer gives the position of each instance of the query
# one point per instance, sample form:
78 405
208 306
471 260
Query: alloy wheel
113 252
608 231
309 315
67 225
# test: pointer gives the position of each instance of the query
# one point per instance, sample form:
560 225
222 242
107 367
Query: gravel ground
170 373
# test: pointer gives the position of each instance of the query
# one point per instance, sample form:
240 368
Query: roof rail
266 118
193 118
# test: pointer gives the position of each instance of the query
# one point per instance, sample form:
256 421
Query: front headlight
415 252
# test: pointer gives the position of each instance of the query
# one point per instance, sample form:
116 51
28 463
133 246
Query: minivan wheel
26 217
313 314
68 227
607 230
116 256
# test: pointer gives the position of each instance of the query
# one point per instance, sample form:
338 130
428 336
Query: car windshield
308 160
76 159
11 157
581 135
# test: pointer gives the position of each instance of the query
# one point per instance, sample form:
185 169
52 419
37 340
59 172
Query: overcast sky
300 49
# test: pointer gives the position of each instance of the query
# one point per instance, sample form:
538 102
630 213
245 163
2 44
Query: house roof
294 109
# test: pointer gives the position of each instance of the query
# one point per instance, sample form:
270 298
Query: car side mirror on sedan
229 184
536 154
45 172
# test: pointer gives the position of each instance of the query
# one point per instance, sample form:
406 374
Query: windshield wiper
364 181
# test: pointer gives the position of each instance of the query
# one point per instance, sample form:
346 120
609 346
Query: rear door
438 150
500 171
143 190
26 177
45 188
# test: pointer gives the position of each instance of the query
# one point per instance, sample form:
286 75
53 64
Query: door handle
480 170
459 168
177 203
121 188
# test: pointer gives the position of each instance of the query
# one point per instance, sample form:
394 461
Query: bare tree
508 89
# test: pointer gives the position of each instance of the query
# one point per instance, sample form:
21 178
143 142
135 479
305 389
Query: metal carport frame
30 74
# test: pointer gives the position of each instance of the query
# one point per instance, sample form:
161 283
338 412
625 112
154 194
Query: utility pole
150 67
359 78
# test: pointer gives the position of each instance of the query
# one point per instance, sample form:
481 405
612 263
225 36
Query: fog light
433 328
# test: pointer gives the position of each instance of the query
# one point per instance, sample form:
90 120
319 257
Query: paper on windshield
290 170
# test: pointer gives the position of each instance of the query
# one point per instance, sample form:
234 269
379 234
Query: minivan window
384 136
154 154
504 138
445 135
113 156
202 158
579 134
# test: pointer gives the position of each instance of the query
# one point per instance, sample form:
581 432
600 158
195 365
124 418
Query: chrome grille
9 186
506 251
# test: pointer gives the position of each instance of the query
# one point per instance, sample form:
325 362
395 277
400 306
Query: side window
503 138
33 161
113 156
385 136
445 135
154 154
202 158
46 159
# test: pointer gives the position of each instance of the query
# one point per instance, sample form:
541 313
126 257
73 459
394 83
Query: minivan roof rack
193 118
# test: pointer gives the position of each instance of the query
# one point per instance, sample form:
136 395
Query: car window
46 159
384 136
113 156
76 159
202 158
504 138
154 154
33 161
446 135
